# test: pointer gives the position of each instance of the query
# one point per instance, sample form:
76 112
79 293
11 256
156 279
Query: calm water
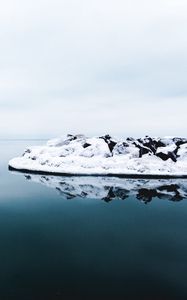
57 247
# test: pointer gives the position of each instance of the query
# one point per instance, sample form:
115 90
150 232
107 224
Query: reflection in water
53 248
110 188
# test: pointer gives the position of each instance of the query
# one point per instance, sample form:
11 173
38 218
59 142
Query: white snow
92 156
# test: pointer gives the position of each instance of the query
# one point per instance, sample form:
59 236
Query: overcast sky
94 67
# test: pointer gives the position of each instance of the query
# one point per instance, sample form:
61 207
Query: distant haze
93 67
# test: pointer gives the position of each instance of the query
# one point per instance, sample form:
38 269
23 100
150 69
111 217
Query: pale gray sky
93 67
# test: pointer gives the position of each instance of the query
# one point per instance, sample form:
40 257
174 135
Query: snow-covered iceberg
104 155
112 188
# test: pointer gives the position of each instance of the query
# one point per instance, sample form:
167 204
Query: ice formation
104 155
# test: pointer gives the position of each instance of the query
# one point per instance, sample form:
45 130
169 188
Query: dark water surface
57 247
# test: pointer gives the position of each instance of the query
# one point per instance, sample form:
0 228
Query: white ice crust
80 155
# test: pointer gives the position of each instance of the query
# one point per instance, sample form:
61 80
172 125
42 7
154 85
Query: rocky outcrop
104 155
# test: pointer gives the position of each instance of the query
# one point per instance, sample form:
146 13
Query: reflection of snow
110 188
106 156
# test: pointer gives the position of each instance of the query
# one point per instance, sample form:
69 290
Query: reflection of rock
110 188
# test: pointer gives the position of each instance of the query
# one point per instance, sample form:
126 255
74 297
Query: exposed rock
165 156
109 141
104 155
86 145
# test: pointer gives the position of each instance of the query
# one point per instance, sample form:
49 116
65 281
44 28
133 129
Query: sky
93 67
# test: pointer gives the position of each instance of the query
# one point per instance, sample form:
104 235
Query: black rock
71 137
107 139
179 141
125 144
111 145
86 145
162 155
130 139
165 156
143 150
